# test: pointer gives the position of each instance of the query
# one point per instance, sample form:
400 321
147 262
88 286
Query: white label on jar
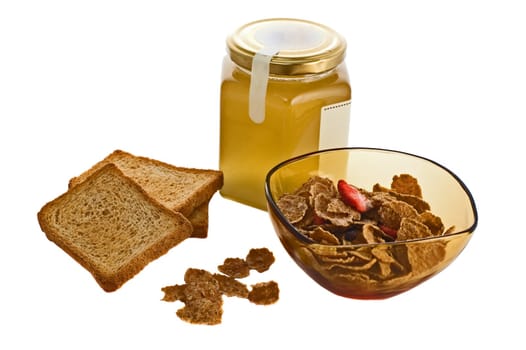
334 125
258 84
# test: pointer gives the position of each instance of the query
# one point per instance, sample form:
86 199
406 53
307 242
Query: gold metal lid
297 47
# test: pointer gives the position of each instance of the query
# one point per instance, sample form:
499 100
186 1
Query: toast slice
199 221
111 226
184 190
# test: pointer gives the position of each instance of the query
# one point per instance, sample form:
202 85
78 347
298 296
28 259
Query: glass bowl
373 270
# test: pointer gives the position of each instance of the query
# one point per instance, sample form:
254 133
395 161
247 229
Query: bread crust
173 226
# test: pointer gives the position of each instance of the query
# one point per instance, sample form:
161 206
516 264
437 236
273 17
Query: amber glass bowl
335 266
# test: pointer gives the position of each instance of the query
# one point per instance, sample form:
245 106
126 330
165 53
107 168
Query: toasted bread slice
199 221
111 226
184 190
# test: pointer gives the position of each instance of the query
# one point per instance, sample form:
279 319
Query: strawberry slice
352 196
318 220
389 231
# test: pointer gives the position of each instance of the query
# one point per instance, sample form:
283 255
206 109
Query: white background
78 79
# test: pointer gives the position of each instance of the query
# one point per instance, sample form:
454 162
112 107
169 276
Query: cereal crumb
202 311
260 259
234 267
202 293
174 293
264 293
231 287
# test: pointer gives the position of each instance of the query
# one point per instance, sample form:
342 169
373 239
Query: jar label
334 125
258 83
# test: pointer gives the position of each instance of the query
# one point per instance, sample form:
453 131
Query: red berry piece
352 196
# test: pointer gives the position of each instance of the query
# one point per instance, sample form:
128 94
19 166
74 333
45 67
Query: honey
285 91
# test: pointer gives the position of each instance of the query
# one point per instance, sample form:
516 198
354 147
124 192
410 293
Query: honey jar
285 91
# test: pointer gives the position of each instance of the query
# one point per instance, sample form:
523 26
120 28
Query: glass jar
285 91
